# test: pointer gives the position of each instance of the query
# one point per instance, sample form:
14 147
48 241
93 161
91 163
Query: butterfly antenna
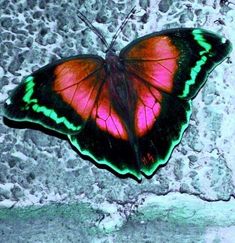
133 10
92 27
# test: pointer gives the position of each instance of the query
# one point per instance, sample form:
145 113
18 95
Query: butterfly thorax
122 94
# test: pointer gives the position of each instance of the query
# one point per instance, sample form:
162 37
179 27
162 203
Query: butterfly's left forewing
167 69
59 96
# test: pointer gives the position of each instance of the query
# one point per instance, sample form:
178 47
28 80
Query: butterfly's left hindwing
72 97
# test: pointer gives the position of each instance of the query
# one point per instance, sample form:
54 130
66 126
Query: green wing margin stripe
51 113
198 36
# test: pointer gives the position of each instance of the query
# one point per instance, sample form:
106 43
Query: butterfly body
123 97
121 91
129 111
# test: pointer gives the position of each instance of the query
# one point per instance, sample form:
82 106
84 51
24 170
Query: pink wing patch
76 81
155 61
81 84
148 106
150 65
105 116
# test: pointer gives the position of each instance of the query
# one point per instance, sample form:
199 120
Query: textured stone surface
37 168
172 218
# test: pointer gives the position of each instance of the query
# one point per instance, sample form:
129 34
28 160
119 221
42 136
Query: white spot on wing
223 40
8 101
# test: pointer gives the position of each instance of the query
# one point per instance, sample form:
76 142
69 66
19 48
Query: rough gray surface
39 169
172 218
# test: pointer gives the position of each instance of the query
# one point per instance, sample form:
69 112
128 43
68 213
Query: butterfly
127 112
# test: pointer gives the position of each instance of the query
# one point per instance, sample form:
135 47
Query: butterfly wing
72 97
167 69
59 96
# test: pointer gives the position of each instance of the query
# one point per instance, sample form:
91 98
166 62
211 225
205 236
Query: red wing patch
155 61
81 85
106 118
76 81
148 106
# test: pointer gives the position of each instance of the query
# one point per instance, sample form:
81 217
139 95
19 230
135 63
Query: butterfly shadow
38 127
33 126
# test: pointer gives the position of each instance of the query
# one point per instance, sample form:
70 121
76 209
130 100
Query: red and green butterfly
127 111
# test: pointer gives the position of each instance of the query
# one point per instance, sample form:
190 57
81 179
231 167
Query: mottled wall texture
49 193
